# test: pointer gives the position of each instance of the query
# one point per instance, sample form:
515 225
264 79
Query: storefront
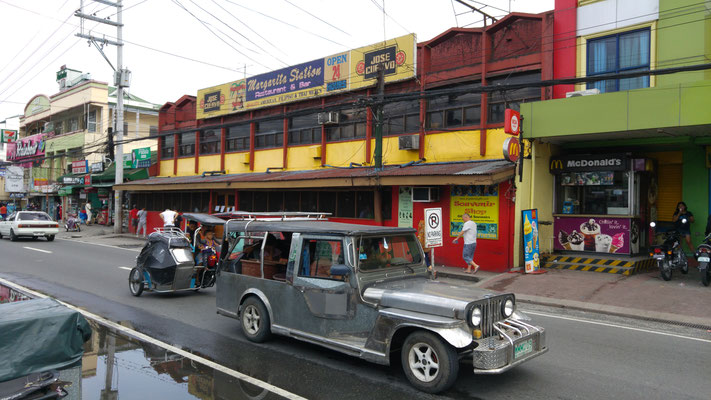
601 202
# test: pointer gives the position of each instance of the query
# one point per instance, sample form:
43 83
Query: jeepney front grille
491 313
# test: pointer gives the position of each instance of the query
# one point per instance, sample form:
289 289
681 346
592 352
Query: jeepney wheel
255 320
430 364
13 237
135 282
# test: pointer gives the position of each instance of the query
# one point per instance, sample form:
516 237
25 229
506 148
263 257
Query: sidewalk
683 299
101 234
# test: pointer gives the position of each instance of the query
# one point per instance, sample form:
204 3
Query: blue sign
531 251
286 80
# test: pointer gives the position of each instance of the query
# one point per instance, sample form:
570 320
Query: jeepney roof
205 219
313 227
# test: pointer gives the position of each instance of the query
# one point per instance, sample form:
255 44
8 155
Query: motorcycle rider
680 214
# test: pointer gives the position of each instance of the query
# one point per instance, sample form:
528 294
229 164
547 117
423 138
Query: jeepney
365 291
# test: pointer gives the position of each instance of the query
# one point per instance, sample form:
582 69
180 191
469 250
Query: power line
318 18
247 26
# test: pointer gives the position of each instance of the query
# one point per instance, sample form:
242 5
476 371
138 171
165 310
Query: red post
223 138
285 142
197 152
252 132
175 154
368 131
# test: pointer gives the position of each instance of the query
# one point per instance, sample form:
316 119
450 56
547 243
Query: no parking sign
433 227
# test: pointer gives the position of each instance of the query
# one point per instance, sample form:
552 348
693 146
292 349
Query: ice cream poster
599 235
531 251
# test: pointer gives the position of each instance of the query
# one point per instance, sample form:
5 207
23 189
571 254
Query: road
591 356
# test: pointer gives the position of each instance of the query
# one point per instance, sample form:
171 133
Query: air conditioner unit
245 158
315 151
409 142
332 117
588 92
425 194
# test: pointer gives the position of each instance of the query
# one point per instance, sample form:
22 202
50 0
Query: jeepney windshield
388 252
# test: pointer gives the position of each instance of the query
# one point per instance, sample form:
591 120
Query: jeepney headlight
475 317
508 308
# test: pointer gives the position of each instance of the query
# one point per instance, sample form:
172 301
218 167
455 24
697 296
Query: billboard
350 70
27 147
482 205
14 179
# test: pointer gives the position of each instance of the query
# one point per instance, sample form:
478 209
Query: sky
175 47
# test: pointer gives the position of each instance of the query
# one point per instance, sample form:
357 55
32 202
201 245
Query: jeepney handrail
278 216
261 254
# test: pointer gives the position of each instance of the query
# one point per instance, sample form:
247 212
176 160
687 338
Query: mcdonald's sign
589 162
512 149
556 165
512 121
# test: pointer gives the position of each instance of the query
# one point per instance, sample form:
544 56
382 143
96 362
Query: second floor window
350 127
623 52
456 110
304 129
401 117
210 141
186 144
91 121
167 147
269 134
237 138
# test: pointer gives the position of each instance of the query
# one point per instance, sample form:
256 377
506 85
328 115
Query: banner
481 203
14 179
531 250
599 235
404 209
80 167
27 147
349 70
141 158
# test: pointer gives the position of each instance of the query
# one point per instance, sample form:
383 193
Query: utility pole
122 78
378 111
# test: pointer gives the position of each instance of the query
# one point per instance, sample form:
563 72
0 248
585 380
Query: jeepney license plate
704 259
523 348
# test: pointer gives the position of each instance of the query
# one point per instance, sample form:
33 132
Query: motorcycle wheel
666 271
683 263
706 276
135 282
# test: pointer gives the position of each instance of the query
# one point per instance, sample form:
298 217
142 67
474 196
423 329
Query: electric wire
318 18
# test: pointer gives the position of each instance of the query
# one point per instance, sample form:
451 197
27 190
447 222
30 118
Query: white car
31 224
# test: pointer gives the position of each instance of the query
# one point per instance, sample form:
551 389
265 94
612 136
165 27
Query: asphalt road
591 356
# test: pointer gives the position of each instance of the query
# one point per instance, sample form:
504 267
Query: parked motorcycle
703 257
669 255
72 224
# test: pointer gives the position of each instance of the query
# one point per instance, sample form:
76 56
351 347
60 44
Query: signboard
481 203
404 209
512 149
531 251
141 158
77 180
599 235
80 167
128 160
37 105
589 162
8 136
349 70
27 147
433 227
14 181
96 167
512 121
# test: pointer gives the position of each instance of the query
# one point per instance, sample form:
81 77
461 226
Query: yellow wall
166 168
234 163
301 158
264 159
209 163
186 166
342 154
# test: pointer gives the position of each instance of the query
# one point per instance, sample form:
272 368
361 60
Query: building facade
610 156
73 162
260 145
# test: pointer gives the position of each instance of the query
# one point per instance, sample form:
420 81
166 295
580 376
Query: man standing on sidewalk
133 217
142 219
168 217
469 234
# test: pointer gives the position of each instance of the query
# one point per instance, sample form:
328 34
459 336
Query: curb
675 319
463 277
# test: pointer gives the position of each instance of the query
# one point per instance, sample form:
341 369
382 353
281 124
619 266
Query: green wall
695 189
683 38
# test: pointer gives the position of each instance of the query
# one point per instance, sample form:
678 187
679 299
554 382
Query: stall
598 207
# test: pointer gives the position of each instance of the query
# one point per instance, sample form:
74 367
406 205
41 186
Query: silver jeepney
324 291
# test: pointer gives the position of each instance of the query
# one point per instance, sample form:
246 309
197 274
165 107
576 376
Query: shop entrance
223 201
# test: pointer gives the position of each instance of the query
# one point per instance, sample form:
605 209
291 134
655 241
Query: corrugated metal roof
471 168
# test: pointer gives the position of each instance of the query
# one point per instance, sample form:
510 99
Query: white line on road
126 268
40 250
141 336
618 326
100 244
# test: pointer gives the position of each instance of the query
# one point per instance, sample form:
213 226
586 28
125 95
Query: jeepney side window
318 255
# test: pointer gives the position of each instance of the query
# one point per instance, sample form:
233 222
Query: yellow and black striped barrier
624 266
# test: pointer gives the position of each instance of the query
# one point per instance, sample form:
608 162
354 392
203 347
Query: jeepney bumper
512 343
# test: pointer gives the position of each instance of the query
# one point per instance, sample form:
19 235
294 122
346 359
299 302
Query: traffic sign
433 227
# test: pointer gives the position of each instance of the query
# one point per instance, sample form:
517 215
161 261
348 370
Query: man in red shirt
133 216
3 211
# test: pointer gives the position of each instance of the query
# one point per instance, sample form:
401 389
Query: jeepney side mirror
341 270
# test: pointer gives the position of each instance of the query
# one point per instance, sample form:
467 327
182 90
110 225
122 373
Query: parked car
32 224
365 291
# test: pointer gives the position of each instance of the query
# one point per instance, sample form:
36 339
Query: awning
109 175
480 172
66 190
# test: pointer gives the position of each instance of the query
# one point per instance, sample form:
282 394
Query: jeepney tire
255 321
135 286
50 238
13 237
422 345
706 276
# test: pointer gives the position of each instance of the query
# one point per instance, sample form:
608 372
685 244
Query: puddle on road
117 366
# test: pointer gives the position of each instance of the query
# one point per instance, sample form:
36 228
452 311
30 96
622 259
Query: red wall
564 44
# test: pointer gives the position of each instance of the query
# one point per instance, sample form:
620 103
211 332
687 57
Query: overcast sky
163 39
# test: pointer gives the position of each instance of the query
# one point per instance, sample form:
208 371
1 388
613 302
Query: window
318 255
152 130
72 124
388 252
451 111
91 121
304 129
186 144
245 201
167 147
401 117
210 141
623 52
499 101
598 192
269 134
237 138
350 127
